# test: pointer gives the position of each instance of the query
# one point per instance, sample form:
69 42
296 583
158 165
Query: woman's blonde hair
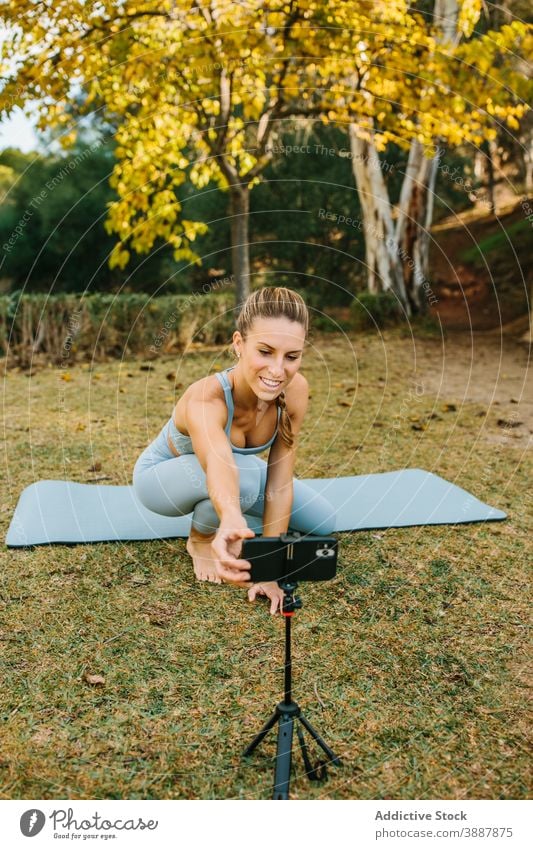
275 302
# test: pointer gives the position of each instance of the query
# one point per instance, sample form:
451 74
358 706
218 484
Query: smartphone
308 558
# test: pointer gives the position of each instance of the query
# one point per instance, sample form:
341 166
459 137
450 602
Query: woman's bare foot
199 548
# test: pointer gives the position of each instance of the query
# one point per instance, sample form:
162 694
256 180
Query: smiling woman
203 460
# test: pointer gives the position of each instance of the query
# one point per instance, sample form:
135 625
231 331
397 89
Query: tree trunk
528 165
489 149
415 216
240 244
397 255
384 271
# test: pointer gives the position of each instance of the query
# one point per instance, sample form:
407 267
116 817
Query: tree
51 219
201 90
455 93
193 88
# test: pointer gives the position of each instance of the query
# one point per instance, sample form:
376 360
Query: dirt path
481 268
486 368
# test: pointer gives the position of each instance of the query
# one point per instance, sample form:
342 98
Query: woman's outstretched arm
205 422
279 490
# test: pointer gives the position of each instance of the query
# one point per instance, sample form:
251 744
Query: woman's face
271 354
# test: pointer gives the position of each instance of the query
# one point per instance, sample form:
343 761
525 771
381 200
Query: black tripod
287 712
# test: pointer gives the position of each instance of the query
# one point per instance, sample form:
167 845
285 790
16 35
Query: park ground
482 271
125 678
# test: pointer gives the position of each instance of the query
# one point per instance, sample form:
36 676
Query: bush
70 327
381 310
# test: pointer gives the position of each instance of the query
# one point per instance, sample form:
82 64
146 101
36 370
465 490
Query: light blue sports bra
183 443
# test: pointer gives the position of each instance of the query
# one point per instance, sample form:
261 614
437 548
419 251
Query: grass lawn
411 662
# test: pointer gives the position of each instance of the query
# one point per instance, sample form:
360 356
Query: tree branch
225 110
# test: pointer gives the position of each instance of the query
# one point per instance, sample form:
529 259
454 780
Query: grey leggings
176 486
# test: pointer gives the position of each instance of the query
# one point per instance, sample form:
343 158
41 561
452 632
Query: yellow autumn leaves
196 92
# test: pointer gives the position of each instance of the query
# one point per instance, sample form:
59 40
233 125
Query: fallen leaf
94 680
41 736
96 467
160 614
508 423
171 375
449 408
66 376
139 580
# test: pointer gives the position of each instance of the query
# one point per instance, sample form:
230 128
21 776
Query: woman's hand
272 591
226 548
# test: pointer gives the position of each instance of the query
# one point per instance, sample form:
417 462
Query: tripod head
291 557
291 602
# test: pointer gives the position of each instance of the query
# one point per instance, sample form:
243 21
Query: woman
204 459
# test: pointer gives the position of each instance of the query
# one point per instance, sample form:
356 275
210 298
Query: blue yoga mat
66 512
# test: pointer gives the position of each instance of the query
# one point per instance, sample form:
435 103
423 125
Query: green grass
411 662
499 244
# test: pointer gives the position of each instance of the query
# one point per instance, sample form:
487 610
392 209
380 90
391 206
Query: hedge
97 326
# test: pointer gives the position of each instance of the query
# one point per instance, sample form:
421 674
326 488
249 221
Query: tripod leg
314 773
318 739
262 734
283 758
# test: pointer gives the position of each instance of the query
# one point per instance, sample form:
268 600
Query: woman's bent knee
152 495
317 516
205 519
327 524
249 476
